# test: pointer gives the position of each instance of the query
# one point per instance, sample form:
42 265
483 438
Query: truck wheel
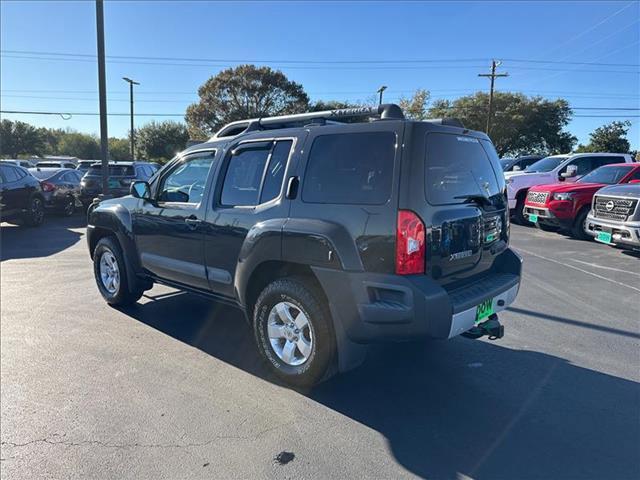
294 333
69 207
109 269
518 213
35 215
577 231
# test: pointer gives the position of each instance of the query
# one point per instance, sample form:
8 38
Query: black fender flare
117 219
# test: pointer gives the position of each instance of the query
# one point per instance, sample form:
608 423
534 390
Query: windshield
546 164
608 175
459 166
114 170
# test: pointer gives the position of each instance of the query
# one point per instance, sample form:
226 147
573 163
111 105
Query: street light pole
102 88
380 90
133 140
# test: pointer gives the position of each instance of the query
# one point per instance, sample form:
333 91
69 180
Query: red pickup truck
565 206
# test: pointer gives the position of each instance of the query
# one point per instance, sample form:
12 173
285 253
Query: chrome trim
463 321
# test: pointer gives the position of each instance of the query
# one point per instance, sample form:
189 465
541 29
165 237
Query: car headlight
563 196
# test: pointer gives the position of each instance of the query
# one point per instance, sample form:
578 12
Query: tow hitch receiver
490 327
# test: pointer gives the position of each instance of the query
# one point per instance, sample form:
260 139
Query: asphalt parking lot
173 388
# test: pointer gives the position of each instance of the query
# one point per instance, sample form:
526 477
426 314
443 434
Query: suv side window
600 161
583 164
254 173
350 168
185 182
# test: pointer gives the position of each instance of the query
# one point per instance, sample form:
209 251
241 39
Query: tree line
520 125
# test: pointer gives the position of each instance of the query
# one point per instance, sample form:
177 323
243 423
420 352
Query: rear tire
69 207
110 271
35 216
293 331
577 231
518 213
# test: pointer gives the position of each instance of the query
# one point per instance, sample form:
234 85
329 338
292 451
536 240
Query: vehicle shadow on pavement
53 236
453 409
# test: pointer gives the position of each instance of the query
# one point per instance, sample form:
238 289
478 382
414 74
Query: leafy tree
520 124
243 92
608 138
415 108
161 140
19 138
119 149
81 145
51 138
321 105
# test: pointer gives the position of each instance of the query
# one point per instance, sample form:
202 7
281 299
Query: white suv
554 169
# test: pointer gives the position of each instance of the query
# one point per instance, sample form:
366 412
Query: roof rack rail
387 111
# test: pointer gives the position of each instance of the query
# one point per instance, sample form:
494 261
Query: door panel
249 190
169 232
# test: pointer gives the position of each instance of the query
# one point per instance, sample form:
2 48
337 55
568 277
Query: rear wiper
477 198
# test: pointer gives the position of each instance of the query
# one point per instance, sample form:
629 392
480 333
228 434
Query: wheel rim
290 334
109 272
37 212
69 206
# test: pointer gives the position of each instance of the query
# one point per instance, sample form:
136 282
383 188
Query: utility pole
133 140
380 90
102 88
493 75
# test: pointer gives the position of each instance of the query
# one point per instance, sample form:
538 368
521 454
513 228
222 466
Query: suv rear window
114 170
350 168
457 166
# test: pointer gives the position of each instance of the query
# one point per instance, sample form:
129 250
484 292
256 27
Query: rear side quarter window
350 168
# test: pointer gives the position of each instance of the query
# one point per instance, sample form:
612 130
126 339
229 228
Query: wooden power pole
493 75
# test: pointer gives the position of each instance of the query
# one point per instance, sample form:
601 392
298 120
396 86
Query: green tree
119 149
243 92
608 138
19 138
161 140
322 105
51 138
81 145
520 124
415 107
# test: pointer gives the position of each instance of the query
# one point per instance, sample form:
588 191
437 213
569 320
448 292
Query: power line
126 114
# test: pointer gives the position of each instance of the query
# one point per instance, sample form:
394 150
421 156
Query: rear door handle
193 222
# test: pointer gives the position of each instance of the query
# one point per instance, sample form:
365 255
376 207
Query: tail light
410 244
47 186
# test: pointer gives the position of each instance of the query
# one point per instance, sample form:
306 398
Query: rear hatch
120 177
462 202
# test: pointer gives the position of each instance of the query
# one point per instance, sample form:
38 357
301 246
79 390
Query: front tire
35 216
293 330
110 272
69 207
518 214
577 231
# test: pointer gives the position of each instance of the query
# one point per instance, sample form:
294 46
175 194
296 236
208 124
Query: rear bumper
379 307
623 234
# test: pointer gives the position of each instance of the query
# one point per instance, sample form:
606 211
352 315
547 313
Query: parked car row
591 195
27 193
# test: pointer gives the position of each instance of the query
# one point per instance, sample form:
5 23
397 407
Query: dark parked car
328 235
121 175
21 197
520 163
60 188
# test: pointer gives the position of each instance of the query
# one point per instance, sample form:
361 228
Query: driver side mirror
572 171
140 189
635 181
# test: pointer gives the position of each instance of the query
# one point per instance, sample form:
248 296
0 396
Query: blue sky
460 36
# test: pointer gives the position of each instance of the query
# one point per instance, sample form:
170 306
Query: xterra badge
459 255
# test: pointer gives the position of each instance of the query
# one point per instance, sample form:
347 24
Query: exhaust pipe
490 327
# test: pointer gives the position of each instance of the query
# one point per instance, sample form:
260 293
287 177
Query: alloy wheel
290 334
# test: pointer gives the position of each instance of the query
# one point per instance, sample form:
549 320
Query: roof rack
387 111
